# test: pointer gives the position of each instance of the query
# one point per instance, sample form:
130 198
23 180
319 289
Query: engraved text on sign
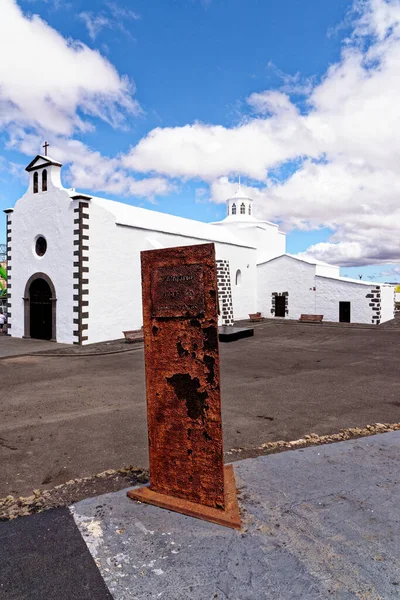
177 291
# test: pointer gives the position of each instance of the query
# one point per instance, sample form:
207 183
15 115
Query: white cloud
293 84
120 12
114 18
49 85
392 274
274 103
53 84
94 23
342 156
88 169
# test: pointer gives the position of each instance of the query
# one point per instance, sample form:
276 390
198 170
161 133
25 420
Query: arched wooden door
40 308
40 317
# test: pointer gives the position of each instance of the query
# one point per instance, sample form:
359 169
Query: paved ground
44 557
319 523
66 417
10 346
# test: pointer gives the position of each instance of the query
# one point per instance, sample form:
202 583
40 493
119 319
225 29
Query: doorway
344 312
40 310
280 304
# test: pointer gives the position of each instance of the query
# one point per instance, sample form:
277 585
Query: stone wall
374 297
225 292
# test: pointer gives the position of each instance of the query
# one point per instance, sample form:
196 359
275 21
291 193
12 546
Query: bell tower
240 207
45 173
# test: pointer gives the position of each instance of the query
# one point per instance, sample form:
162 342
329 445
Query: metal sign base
228 517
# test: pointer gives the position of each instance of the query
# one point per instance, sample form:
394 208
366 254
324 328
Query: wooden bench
134 335
311 318
255 317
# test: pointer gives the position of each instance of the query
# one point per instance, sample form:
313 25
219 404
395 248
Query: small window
238 277
35 182
242 209
234 209
41 246
44 180
249 209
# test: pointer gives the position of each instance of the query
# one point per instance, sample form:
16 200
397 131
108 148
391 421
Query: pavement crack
3 444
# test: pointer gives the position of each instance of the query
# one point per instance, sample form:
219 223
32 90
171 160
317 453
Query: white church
74 265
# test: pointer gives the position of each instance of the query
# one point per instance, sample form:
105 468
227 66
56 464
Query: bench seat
255 317
311 318
134 335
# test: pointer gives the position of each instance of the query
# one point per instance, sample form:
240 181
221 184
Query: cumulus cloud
341 156
54 84
334 163
49 86
89 169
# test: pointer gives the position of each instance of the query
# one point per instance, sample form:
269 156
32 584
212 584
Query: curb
325 325
41 500
314 439
72 354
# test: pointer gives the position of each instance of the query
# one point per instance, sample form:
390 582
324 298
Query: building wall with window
369 303
285 275
85 248
127 235
48 214
308 292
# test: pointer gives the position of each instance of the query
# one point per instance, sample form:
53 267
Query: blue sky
169 100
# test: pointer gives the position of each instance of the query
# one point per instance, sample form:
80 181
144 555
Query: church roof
358 281
143 218
307 259
242 219
43 161
239 195
310 259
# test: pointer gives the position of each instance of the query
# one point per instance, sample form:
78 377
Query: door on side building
40 310
279 306
344 312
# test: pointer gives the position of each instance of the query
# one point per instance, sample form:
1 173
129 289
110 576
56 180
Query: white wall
387 302
266 237
332 291
285 274
51 215
327 270
269 240
115 295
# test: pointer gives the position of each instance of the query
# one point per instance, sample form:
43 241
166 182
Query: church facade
74 265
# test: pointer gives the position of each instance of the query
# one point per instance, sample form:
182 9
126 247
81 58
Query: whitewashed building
74 265
293 286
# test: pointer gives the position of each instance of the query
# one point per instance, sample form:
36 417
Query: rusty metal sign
177 291
180 324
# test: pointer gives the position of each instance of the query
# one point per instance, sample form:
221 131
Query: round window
41 246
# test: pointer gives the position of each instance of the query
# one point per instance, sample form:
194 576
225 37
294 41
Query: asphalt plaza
65 417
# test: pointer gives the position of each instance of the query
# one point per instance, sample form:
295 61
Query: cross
46 145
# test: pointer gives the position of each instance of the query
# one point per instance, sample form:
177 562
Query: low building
68 251
293 286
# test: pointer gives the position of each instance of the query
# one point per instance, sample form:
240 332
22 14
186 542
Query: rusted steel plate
182 373
230 517
177 291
